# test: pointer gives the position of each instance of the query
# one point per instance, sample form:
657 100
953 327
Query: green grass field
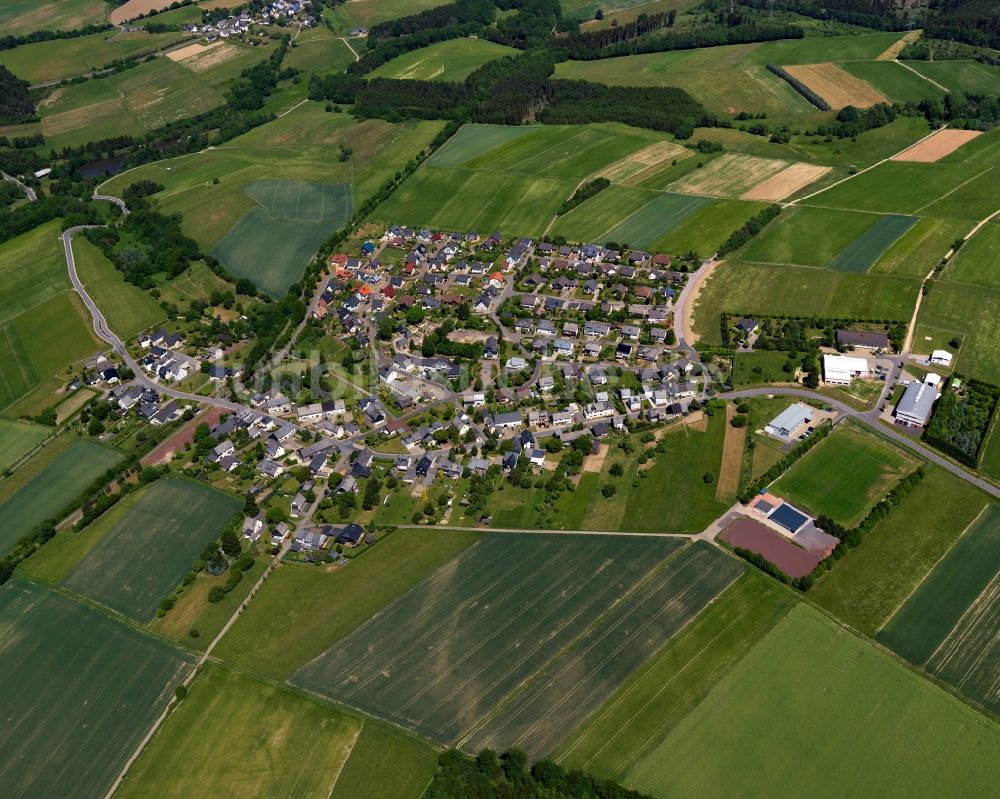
865 588
539 717
17 374
385 762
474 140
79 694
889 187
270 252
51 489
319 50
451 61
442 656
893 80
971 312
972 201
32 270
146 552
65 58
976 262
949 624
746 288
824 684
235 736
844 475
862 253
760 368
669 685
365 13
989 459
303 201
302 610
128 309
654 220
17 439
918 250
704 230
20 17
586 222
960 76
792 239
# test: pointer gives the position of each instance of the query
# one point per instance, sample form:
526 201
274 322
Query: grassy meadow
450 61
17 439
20 17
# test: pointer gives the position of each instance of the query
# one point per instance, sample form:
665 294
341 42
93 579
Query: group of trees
749 229
30 215
492 776
16 105
961 418
438 343
799 86
585 192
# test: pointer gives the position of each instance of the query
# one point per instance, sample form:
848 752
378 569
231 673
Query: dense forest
507 776
971 21
16 105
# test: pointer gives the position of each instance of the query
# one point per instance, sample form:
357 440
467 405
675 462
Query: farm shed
914 407
842 369
789 420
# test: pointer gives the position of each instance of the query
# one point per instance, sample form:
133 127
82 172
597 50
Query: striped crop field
862 253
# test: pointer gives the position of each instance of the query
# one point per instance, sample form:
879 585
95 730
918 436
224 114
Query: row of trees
585 192
749 229
799 86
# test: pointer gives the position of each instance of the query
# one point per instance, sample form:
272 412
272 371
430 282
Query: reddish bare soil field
183 436
792 560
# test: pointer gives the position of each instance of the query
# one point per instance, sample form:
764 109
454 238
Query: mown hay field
862 253
57 484
80 692
300 610
149 548
730 175
235 736
450 61
866 588
442 656
951 622
643 711
824 684
540 716
837 87
844 475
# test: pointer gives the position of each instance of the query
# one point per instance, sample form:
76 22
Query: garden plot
836 86
729 175
442 656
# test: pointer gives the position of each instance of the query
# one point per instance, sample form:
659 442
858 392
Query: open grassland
989 460
301 610
918 250
865 588
270 252
319 50
127 308
746 288
654 220
862 253
148 549
365 13
235 736
983 149
974 200
303 201
977 262
539 717
960 76
704 230
20 17
385 762
17 374
845 475
730 175
893 80
633 169
760 368
630 724
66 58
441 657
17 439
837 87
79 692
50 490
450 61
972 312
32 269
792 237
950 623
892 187
824 684
590 219
474 140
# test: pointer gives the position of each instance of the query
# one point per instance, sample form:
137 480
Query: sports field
792 239
440 658
844 475
17 439
862 253
824 684
79 692
235 736
301 611
451 61
747 288
653 221
540 716
149 548
976 262
865 588
950 624
648 705
53 488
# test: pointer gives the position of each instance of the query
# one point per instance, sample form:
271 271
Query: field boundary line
538 673
944 554
949 193
975 611
922 75
350 752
